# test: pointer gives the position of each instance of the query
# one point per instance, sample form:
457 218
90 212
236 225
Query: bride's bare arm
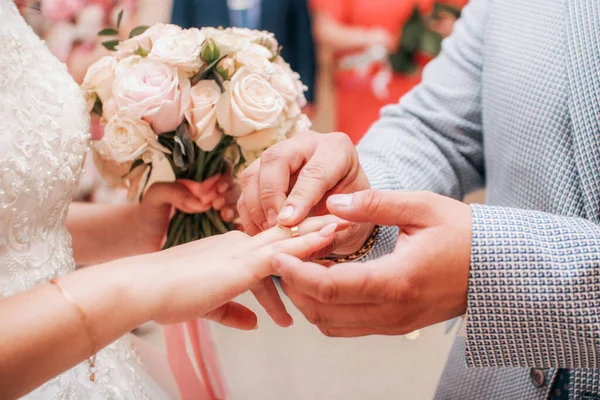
42 334
106 232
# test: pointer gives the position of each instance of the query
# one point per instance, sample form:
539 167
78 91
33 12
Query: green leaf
183 151
108 32
138 31
111 44
119 18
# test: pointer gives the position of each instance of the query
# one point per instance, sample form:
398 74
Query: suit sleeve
432 139
534 290
304 61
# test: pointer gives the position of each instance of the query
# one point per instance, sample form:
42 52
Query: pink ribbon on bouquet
202 381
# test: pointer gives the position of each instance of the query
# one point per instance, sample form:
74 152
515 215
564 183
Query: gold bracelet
88 327
360 253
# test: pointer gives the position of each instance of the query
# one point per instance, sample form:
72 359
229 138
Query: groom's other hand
293 179
424 281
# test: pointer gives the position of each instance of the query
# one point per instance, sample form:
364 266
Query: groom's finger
234 315
339 284
320 174
249 227
267 295
386 207
251 196
277 166
339 315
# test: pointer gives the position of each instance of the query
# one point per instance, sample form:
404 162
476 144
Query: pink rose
152 91
203 115
61 10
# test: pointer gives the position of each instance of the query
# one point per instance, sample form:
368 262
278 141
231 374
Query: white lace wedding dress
44 129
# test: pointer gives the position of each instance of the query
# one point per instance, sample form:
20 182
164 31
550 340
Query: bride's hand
199 280
152 215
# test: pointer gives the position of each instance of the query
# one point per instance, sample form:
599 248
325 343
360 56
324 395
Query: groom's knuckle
272 156
340 139
315 171
267 192
248 177
327 290
371 202
256 213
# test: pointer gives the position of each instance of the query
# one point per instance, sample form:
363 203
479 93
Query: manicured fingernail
255 327
223 186
341 200
286 213
328 230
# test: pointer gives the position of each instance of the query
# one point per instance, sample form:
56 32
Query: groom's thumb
383 207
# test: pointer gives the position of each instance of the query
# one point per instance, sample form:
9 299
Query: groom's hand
289 182
293 179
424 281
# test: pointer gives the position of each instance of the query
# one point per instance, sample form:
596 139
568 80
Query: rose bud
226 68
210 51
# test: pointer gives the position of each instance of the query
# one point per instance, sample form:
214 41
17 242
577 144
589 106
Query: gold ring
295 231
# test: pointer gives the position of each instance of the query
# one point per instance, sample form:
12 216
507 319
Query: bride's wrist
138 282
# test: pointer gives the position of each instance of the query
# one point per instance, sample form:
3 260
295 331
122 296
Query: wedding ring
295 231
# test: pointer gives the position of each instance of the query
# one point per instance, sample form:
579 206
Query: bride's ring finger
307 226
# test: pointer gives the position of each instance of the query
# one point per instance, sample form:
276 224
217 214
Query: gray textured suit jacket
512 104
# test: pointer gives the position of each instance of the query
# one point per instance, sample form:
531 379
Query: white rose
256 58
260 140
145 40
283 82
249 104
303 124
267 39
100 77
262 38
181 50
301 88
228 42
202 115
152 91
128 139
249 34
109 109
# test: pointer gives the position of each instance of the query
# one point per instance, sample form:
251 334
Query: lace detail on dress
44 127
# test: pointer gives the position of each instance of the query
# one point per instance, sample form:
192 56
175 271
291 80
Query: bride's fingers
300 247
175 194
234 315
267 295
307 226
206 191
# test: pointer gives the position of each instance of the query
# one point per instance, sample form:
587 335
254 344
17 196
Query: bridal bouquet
207 100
